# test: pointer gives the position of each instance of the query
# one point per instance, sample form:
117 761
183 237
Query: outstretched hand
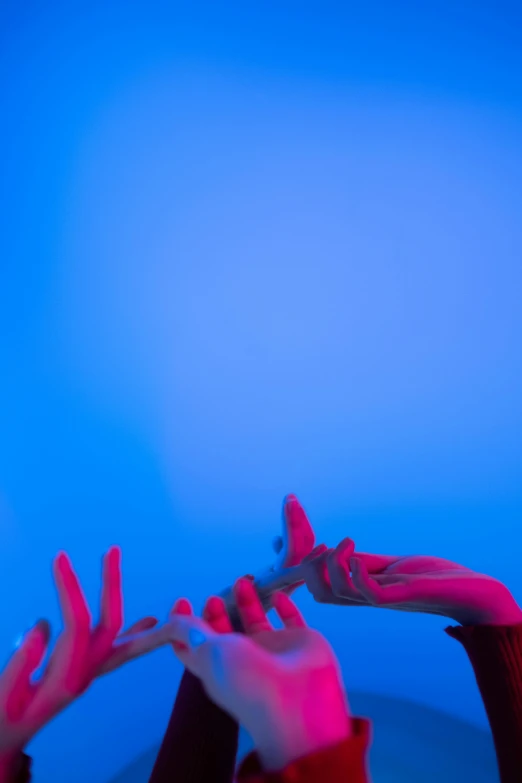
283 686
414 583
79 655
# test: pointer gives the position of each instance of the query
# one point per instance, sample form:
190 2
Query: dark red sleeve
343 763
24 770
201 740
20 771
496 656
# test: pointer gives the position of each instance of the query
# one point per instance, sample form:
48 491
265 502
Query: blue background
247 249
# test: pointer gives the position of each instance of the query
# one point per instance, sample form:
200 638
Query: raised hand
79 655
414 583
283 686
291 548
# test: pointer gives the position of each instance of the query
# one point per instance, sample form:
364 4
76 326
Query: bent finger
15 680
337 564
375 592
250 608
216 615
287 611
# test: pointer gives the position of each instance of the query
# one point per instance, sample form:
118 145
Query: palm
419 583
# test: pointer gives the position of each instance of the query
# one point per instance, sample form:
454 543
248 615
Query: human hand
415 583
283 686
291 548
79 655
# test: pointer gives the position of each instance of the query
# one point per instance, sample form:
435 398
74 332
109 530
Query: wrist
290 731
499 609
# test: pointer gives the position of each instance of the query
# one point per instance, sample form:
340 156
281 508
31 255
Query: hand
79 655
415 583
283 686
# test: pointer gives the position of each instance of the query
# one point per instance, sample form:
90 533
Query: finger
192 637
129 646
145 624
376 593
337 564
15 680
251 612
111 614
318 550
377 563
298 534
317 578
182 607
69 661
216 615
75 611
287 611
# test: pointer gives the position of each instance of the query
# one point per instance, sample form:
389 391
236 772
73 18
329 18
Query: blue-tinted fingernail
196 638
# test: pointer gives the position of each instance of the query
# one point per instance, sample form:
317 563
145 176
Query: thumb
191 636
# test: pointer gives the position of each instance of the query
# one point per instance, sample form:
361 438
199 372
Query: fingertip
61 558
149 622
43 628
244 589
113 554
345 548
214 606
182 606
316 552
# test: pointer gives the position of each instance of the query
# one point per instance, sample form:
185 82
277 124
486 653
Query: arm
284 687
490 623
495 653
345 762
201 740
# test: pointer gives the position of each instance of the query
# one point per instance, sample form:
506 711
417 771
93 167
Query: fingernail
196 638
40 625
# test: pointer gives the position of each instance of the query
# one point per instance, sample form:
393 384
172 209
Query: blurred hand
415 583
283 686
80 652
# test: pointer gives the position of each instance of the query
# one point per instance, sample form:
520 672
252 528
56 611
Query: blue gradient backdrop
246 249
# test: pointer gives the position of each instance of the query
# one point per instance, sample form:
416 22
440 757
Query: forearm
495 653
201 740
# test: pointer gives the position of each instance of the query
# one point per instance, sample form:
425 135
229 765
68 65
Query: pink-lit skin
80 652
415 583
283 686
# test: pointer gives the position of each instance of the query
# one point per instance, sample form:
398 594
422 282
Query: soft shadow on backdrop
245 252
